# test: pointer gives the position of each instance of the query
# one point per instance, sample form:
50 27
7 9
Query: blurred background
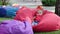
47 4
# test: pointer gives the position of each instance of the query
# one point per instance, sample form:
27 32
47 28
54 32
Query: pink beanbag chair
48 22
23 12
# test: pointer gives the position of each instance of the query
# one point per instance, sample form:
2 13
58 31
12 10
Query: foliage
49 2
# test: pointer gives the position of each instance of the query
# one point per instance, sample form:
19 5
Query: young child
38 16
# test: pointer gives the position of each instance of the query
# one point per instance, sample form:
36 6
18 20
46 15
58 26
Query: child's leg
35 23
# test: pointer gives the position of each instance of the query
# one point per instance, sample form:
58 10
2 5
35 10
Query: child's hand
28 19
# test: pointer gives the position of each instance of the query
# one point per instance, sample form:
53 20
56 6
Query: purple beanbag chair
15 27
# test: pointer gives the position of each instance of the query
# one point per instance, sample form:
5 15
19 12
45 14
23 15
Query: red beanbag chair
23 12
49 22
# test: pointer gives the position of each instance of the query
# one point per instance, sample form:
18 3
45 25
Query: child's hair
39 7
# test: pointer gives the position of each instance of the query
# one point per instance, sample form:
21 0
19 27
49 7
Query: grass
1 19
54 32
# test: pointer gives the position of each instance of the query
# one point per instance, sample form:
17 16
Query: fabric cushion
15 27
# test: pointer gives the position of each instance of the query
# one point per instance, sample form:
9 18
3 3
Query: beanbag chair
23 12
2 12
15 27
11 11
49 22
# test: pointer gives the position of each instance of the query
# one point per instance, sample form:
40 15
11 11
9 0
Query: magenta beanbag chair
15 27
49 22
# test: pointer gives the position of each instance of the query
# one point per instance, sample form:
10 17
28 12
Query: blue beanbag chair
2 12
15 27
11 11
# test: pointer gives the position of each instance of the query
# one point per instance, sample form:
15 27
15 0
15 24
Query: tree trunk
3 2
57 9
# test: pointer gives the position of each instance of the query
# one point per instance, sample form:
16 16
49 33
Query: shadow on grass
54 32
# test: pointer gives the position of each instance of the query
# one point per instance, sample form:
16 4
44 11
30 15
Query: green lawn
54 32
1 19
